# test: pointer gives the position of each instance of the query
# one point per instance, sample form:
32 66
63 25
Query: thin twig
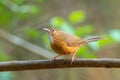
60 63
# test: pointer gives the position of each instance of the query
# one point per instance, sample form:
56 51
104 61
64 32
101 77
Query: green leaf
31 32
88 55
19 2
87 29
77 16
56 21
85 53
115 34
27 9
94 45
62 24
67 28
46 41
6 15
106 41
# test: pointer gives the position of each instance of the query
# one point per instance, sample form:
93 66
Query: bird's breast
61 47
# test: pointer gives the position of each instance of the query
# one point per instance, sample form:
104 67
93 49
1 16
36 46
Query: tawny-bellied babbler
66 44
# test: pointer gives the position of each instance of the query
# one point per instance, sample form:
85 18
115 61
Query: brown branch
60 63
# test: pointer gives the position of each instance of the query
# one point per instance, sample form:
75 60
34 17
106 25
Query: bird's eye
53 30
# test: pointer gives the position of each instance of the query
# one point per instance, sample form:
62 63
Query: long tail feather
94 39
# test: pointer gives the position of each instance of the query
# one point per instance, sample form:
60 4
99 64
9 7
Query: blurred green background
22 39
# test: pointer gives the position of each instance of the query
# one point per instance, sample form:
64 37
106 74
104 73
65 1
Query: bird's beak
46 29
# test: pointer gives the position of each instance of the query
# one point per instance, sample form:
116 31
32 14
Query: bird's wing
70 39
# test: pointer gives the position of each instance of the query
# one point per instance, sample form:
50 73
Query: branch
60 63
16 41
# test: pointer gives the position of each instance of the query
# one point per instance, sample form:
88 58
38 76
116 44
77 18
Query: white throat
51 38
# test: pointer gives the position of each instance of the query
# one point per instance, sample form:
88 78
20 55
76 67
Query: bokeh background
22 39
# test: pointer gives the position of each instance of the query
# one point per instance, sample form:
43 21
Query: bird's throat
51 38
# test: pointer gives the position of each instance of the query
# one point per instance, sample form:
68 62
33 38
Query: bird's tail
94 39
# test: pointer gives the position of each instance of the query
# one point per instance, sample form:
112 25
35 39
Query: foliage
12 10
12 13
77 16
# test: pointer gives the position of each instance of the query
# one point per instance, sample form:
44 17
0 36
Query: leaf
87 29
94 45
115 34
6 15
27 9
56 21
77 16
19 2
106 41
62 24
46 41
88 55
85 53
31 32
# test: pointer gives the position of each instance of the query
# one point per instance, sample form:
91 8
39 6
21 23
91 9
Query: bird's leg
53 60
72 59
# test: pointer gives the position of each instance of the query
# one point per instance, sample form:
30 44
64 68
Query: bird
64 43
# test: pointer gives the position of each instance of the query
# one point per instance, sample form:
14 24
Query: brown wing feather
71 39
